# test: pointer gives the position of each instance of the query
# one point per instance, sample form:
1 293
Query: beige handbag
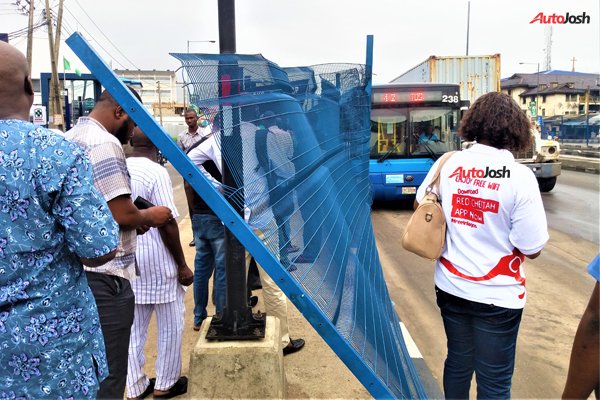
425 233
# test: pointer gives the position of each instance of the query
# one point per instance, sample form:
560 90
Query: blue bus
412 125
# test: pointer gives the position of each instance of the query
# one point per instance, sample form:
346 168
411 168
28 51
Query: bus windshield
420 132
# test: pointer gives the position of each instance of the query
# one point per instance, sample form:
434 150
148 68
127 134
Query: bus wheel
546 184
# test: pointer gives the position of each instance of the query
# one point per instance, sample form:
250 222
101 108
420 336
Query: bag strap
435 180
198 143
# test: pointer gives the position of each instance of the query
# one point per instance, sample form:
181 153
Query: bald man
52 220
102 134
159 289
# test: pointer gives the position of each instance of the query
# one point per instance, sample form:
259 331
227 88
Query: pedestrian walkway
313 373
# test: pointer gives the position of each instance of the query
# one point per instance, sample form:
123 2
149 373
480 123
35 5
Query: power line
90 36
107 38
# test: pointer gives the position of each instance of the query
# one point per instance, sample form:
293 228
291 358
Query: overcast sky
307 32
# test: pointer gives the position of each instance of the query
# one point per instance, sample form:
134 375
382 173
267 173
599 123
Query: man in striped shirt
102 135
163 272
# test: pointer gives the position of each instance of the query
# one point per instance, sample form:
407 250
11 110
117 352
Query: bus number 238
449 99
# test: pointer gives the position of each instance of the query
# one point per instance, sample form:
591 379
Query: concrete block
245 369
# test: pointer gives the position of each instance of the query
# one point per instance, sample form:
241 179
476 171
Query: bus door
388 134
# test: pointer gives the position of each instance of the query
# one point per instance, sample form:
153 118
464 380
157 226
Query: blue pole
369 67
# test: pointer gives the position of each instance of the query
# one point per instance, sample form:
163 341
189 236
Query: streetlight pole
198 41
537 90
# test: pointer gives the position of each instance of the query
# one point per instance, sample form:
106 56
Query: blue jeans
482 338
209 235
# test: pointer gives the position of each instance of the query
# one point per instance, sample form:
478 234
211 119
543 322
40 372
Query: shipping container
476 75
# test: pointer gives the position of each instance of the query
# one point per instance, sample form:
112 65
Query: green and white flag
66 64
78 72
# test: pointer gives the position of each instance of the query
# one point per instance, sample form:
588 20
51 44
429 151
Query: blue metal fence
303 173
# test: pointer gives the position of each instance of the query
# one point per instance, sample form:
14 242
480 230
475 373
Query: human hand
185 276
142 229
159 215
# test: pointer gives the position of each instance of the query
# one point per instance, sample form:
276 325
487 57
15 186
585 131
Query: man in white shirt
258 215
163 271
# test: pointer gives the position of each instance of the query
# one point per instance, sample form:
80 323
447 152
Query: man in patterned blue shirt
51 220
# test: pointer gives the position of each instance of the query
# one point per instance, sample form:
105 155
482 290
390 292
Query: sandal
179 388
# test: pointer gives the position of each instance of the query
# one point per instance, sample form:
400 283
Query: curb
581 153
581 164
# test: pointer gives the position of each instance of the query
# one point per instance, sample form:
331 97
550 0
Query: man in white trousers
159 288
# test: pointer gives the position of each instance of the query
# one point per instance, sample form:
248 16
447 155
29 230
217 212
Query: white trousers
169 321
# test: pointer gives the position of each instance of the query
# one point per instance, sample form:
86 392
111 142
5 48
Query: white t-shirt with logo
494 215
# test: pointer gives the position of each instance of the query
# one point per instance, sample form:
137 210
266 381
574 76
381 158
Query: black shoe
192 243
253 301
149 390
293 346
302 259
179 388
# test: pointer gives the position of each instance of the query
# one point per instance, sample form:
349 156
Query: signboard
39 115
88 104
532 108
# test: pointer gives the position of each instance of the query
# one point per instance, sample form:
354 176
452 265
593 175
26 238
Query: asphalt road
572 206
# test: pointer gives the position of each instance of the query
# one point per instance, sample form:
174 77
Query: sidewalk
313 373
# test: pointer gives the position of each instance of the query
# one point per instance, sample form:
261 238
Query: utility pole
573 60
30 36
159 103
55 91
58 30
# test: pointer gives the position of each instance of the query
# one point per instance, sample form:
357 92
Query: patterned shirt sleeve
90 229
110 170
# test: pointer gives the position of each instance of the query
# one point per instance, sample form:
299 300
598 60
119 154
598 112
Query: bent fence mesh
301 172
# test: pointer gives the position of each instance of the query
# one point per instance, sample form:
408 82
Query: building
161 94
560 93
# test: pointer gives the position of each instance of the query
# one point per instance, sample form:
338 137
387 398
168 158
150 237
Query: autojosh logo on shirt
473 173
569 18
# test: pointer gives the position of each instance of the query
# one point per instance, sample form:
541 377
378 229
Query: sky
138 34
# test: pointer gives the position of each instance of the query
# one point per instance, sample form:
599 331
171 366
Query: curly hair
495 119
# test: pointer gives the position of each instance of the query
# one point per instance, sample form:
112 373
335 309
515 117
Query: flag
66 64
78 72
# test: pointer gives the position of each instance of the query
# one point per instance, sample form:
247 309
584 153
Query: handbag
425 233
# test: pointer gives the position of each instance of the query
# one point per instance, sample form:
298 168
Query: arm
534 255
584 366
129 217
205 151
170 236
98 261
529 228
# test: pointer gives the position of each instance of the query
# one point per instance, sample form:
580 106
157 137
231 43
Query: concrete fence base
248 369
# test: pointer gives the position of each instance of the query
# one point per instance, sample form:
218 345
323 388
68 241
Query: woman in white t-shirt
495 219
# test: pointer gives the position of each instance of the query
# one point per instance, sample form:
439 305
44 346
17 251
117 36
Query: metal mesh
300 165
